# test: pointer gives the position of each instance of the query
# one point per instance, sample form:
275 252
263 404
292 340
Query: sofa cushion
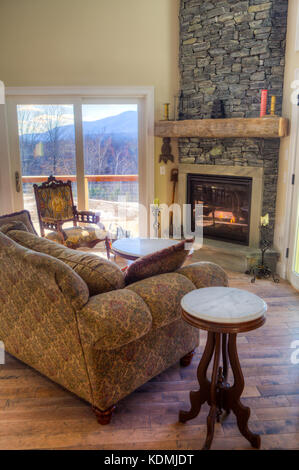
162 294
100 275
14 225
22 216
163 261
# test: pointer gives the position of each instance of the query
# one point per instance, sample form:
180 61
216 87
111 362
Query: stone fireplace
231 50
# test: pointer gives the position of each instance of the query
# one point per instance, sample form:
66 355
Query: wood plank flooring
37 414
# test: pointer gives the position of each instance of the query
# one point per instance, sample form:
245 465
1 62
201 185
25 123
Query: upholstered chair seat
76 237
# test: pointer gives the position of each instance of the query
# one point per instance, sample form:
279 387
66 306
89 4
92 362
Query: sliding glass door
110 139
94 143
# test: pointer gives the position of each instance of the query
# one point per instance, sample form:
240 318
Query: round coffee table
223 312
134 248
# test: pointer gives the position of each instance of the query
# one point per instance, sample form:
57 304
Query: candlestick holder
156 225
261 270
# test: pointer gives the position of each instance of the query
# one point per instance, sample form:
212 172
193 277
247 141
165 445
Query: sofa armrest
112 319
32 264
69 282
205 274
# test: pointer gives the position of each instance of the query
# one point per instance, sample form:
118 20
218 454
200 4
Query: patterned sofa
68 315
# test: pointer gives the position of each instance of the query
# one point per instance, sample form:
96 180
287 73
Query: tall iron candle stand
156 212
262 270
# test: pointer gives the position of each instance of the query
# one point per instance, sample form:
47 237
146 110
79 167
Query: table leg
234 393
225 367
224 356
198 398
213 396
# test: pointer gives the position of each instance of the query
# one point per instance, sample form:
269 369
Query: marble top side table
223 312
134 248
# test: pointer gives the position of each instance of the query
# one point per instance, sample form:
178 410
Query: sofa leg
104 417
186 360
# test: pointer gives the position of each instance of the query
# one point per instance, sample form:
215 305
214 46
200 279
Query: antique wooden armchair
55 207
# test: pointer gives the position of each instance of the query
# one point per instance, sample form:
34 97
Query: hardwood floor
37 414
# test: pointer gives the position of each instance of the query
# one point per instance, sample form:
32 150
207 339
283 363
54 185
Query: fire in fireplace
226 206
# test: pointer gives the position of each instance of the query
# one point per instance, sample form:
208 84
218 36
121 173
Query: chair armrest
87 217
113 319
205 274
54 224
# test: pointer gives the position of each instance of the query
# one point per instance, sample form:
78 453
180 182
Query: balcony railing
88 178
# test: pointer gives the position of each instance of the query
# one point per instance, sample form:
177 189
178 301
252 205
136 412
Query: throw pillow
163 261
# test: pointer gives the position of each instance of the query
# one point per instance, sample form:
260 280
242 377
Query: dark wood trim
104 417
185 361
222 327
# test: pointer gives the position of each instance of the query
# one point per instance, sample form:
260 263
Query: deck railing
88 178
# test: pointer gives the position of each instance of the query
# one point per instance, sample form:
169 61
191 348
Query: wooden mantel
267 128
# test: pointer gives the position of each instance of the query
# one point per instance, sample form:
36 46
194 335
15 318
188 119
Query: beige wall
292 63
93 42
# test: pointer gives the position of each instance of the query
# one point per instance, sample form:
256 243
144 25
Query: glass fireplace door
226 204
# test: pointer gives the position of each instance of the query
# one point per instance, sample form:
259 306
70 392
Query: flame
233 220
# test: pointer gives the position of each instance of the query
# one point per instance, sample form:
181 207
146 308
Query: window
102 144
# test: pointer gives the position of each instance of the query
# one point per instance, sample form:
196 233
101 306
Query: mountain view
124 123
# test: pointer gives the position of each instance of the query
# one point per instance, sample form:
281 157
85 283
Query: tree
52 120
28 136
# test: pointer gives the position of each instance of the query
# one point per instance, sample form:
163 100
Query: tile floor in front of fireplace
35 413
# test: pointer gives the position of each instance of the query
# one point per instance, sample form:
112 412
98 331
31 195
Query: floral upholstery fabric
115 374
205 274
163 261
78 236
99 274
55 203
111 320
100 348
39 297
22 216
162 294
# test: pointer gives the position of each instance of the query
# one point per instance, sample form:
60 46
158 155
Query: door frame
144 96
292 198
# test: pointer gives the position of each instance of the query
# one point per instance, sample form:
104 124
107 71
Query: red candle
264 96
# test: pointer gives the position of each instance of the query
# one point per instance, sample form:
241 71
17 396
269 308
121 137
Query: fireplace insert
226 206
